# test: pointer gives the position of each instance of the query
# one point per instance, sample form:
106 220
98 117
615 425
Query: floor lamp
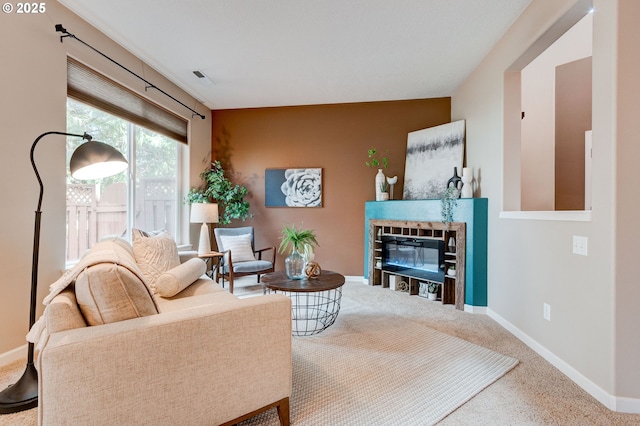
204 213
91 160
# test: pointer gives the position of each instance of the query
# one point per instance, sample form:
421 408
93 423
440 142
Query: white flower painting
293 187
431 156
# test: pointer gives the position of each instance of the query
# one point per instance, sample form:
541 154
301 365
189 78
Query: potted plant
432 290
451 271
300 242
449 201
218 188
379 162
384 191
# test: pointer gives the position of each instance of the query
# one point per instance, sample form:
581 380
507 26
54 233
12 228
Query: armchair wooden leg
231 283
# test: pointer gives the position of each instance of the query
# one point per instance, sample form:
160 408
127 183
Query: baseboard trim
13 355
480 310
612 402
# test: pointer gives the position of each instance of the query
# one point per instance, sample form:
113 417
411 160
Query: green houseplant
432 290
449 201
218 188
296 240
375 161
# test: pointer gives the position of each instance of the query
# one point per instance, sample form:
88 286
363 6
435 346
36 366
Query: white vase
467 181
433 296
380 180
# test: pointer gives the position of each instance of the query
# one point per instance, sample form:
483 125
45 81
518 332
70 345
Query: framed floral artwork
293 187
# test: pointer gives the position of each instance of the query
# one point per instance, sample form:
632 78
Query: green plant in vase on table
301 243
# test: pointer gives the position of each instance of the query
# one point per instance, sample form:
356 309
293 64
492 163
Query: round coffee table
315 302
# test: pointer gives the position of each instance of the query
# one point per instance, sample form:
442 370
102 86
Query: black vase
455 180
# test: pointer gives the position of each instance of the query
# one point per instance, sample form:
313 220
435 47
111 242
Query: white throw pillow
240 246
155 255
182 276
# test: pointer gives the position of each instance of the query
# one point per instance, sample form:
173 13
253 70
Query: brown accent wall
573 119
335 138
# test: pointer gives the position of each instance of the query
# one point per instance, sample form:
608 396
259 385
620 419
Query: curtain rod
61 29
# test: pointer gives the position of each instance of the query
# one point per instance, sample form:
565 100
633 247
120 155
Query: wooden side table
215 258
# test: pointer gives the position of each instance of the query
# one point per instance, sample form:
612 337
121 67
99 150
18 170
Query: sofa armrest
203 365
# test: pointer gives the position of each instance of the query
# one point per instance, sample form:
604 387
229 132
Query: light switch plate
580 245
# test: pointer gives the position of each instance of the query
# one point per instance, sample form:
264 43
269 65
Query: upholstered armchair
240 256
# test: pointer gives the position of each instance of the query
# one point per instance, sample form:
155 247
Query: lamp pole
23 394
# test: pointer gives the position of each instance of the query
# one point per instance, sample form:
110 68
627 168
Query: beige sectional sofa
111 349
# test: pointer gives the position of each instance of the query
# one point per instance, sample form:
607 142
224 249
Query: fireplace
420 258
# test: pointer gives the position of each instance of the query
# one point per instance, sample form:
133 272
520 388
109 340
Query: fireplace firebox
420 258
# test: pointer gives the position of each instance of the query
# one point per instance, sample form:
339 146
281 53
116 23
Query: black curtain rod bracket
63 30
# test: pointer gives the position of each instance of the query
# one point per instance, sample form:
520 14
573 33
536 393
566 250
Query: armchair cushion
253 266
240 246
108 292
177 279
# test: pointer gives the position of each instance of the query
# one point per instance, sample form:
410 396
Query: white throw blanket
115 251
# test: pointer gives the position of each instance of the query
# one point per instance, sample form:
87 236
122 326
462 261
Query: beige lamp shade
204 213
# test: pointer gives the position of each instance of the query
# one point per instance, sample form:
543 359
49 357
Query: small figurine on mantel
392 182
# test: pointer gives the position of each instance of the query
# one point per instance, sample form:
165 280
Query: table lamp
91 160
204 213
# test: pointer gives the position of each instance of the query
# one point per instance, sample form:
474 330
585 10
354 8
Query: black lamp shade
95 160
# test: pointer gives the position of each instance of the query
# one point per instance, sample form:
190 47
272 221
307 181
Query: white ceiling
298 52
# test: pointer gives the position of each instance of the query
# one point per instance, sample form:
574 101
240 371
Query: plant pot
384 196
294 265
432 296
451 272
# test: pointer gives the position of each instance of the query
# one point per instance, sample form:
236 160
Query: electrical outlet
546 311
580 245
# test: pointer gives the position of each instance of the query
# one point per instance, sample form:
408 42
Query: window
146 196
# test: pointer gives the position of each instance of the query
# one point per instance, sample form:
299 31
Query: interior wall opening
548 119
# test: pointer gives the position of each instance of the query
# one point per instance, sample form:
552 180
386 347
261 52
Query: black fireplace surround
420 258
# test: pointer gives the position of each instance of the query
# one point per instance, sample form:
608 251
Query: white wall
33 101
593 309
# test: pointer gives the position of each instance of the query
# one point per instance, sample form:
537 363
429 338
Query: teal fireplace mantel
472 211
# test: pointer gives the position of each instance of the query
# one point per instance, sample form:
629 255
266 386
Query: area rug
373 367
378 364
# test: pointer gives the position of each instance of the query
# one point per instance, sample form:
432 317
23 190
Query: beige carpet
533 393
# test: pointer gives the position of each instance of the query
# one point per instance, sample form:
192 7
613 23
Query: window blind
88 86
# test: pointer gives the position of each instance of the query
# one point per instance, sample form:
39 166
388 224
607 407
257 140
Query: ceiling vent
202 77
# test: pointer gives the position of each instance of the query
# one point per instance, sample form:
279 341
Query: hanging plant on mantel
449 201
218 188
